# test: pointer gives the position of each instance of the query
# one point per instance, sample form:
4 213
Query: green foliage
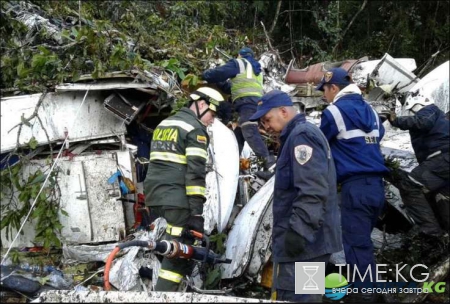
218 240
45 211
181 35
213 278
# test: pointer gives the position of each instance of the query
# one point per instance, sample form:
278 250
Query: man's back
168 174
354 131
429 130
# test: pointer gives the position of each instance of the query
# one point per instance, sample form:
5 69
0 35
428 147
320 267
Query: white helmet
418 102
211 96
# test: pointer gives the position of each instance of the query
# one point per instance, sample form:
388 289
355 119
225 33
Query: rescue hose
169 249
149 244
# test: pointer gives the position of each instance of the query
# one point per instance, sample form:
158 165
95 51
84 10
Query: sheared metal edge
240 242
102 85
93 121
65 296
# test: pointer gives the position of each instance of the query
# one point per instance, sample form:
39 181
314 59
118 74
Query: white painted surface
222 181
241 238
435 85
95 215
57 112
390 72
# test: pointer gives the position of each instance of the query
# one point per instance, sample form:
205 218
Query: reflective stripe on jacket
246 83
354 132
178 155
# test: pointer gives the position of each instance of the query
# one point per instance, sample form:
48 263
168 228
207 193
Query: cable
45 181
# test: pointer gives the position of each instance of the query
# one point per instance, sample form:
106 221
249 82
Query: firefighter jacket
354 132
305 196
177 165
429 131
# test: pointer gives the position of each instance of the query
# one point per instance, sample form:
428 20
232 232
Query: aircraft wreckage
98 133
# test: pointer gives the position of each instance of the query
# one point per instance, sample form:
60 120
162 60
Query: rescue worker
306 226
429 131
175 182
246 88
354 132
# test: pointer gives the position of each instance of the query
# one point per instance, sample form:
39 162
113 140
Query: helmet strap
199 116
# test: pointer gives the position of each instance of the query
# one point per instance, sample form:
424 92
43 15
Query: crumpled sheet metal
86 253
435 85
124 274
363 69
35 22
61 296
393 241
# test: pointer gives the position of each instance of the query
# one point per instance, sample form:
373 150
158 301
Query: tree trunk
350 24
277 13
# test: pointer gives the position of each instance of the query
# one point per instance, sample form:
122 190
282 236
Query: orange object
244 163
108 267
267 274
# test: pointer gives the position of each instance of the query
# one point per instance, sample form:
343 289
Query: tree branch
277 13
270 45
41 99
349 25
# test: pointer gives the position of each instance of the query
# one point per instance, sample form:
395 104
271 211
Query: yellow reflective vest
246 83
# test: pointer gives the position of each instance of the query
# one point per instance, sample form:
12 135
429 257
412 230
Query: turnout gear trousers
172 271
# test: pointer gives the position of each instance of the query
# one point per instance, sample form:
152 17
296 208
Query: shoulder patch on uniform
201 139
303 154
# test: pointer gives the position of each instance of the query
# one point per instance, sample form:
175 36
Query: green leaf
180 74
25 121
33 143
213 278
43 50
64 212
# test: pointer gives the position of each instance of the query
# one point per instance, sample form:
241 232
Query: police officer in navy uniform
354 132
306 226
429 131
242 78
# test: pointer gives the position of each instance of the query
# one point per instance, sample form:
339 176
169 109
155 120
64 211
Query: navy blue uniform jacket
305 196
429 131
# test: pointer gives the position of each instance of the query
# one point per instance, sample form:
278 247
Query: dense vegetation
98 36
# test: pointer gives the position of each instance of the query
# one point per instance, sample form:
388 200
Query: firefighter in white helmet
175 181
429 131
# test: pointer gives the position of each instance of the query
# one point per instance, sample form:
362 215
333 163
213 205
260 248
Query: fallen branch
48 139
270 45
27 120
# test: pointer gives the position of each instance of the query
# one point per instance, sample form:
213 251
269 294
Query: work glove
391 116
196 222
294 244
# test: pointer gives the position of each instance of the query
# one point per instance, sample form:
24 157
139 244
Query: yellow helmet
211 96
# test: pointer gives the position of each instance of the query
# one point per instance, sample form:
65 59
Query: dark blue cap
337 76
273 99
246 51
